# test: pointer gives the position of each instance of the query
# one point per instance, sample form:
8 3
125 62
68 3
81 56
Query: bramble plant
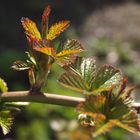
107 101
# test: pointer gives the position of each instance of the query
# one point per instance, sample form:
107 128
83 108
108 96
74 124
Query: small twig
48 98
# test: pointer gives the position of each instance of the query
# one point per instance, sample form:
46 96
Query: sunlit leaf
6 121
45 17
30 28
20 65
3 86
57 29
67 52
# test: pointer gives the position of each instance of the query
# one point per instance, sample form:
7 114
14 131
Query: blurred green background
108 29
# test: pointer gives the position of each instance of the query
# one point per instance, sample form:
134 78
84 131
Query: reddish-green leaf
30 28
57 29
45 17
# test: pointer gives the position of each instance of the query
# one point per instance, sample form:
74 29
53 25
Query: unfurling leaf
30 28
6 121
45 17
93 81
57 29
3 86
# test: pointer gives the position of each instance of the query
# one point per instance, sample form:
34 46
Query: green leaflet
83 77
6 120
3 86
5 116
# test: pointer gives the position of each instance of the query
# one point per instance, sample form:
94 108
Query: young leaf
6 121
30 28
57 29
45 17
3 86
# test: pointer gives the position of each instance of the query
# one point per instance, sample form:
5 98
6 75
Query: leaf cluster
108 100
42 52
